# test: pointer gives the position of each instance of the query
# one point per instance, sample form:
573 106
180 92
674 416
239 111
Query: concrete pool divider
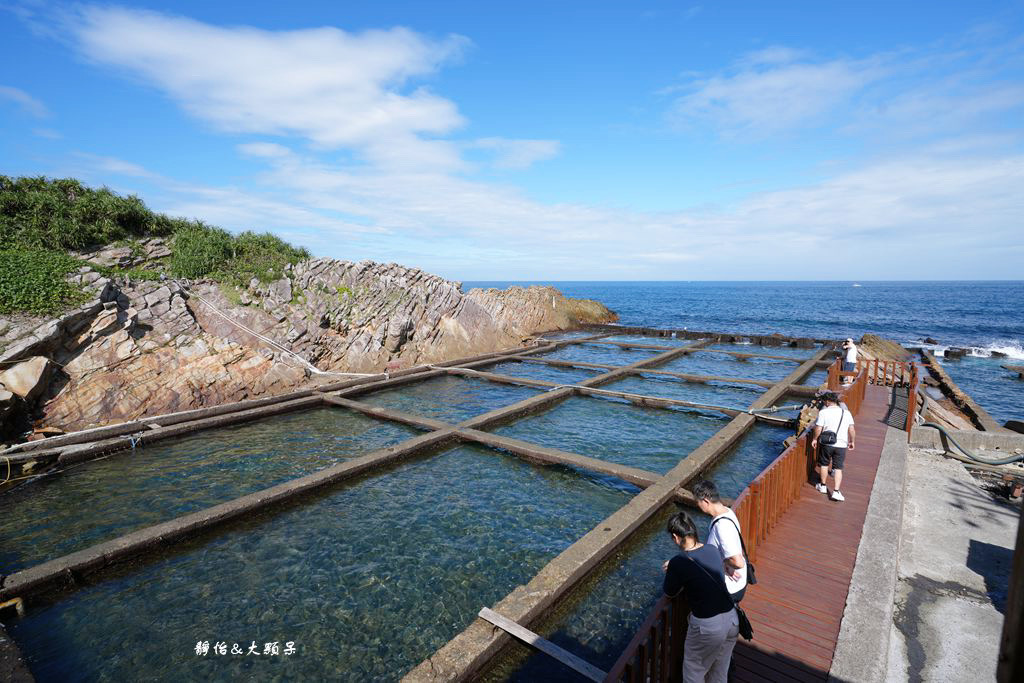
713 337
737 354
531 452
75 566
979 416
72 568
701 379
92 443
69 570
469 652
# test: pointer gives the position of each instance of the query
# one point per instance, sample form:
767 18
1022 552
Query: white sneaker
821 488
836 496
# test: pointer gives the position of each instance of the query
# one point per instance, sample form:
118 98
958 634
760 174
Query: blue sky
547 140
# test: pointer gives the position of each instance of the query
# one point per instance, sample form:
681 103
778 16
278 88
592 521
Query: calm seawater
984 316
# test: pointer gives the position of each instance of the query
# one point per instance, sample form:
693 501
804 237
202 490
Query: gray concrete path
955 557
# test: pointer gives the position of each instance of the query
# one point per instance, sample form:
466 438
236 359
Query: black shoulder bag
829 438
746 629
751 576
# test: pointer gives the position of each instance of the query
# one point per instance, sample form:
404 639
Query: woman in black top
713 623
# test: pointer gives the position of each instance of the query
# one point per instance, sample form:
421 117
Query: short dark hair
706 490
831 397
681 525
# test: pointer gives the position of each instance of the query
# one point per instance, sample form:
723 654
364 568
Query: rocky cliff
142 348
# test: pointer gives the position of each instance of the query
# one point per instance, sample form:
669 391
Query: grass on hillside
42 219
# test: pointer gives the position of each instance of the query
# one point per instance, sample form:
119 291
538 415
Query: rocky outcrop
873 347
156 346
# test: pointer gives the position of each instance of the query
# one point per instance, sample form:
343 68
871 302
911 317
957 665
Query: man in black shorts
836 420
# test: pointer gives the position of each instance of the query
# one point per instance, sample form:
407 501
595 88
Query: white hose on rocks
312 368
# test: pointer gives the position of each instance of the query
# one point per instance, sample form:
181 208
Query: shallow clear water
649 438
729 396
600 353
452 399
995 388
726 366
550 373
102 499
787 351
599 617
816 378
760 446
650 341
366 581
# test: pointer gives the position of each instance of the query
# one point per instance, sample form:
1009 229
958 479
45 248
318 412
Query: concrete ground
955 556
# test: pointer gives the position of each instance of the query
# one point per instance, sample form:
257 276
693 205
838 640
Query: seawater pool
649 438
600 353
599 617
995 388
788 351
550 373
724 365
366 581
738 396
102 499
368 577
452 399
816 378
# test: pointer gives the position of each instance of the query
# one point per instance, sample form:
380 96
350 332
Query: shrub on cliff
40 219
32 281
64 214
203 251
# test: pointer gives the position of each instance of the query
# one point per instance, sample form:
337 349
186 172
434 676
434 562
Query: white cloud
264 150
770 92
939 90
518 154
410 195
28 104
332 87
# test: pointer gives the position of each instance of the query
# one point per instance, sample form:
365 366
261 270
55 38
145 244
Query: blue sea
986 317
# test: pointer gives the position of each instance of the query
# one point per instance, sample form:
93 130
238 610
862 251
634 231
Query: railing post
678 641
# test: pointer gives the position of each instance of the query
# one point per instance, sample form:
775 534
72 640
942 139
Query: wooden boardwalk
805 565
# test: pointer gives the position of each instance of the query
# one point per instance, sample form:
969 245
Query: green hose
986 461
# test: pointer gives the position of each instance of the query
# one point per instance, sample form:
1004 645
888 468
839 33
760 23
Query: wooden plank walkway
805 566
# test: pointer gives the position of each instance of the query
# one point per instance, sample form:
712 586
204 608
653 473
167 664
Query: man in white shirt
849 359
834 419
724 534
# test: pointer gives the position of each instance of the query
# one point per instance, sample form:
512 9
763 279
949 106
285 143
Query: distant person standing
713 624
724 536
849 359
833 435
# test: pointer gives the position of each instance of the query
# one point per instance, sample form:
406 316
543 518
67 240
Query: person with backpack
725 536
833 436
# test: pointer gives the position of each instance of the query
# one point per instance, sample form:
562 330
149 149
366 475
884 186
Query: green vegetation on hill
32 281
41 219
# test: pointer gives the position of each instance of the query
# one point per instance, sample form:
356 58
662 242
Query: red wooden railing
657 647
655 653
758 508
890 373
